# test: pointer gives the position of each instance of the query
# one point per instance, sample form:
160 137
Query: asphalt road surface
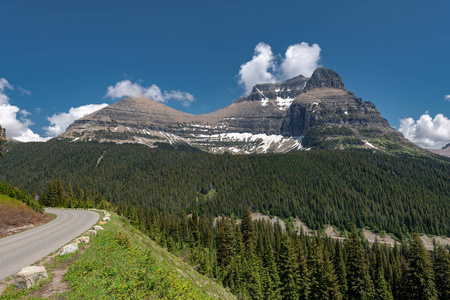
22 249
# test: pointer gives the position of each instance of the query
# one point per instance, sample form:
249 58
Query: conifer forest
199 207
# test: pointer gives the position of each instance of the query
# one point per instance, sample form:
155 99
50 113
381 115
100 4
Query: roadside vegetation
16 216
122 263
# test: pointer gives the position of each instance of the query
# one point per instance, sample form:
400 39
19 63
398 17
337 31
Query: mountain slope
274 117
393 193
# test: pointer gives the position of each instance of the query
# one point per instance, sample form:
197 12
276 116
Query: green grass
125 264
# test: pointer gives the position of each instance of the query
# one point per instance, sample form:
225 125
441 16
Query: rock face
29 276
325 78
296 114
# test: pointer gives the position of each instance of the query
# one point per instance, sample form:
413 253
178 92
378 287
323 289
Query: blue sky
58 55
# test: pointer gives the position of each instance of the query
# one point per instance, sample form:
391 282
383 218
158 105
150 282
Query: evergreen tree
247 227
323 283
419 277
194 237
2 140
272 281
288 270
252 273
360 284
442 272
223 251
382 291
339 266
397 275
302 269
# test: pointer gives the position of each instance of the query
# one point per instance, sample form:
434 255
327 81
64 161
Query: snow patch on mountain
253 143
284 103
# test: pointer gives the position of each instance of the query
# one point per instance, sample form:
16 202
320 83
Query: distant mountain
445 151
11 140
297 114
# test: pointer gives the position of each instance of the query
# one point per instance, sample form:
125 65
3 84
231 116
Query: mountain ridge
296 114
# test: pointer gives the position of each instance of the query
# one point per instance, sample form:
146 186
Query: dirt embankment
16 216
255 217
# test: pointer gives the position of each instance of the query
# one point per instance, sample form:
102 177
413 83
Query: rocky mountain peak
290 88
323 77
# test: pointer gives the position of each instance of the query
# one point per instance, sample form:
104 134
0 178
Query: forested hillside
395 194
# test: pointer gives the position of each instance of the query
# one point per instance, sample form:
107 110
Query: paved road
22 249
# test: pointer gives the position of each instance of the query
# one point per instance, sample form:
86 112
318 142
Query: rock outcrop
70 248
82 240
29 276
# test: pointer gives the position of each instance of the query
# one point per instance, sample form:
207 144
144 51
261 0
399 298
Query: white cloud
13 119
24 91
59 122
447 97
427 132
299 59
126 88
4 84
258 69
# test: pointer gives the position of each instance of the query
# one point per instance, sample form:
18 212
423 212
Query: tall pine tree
419 275
360 286
442 272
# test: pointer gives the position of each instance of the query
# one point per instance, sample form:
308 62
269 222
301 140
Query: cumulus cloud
426 131
447 97
59 122
299 59
13 119
126 88
258 70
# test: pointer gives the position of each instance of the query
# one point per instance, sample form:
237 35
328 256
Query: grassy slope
124 263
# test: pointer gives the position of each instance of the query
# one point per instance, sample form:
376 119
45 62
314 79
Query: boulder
70 248
83 239
29 276
107 215
105 219
91 232
96 227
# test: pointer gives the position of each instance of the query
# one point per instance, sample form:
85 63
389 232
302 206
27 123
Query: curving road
22 249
